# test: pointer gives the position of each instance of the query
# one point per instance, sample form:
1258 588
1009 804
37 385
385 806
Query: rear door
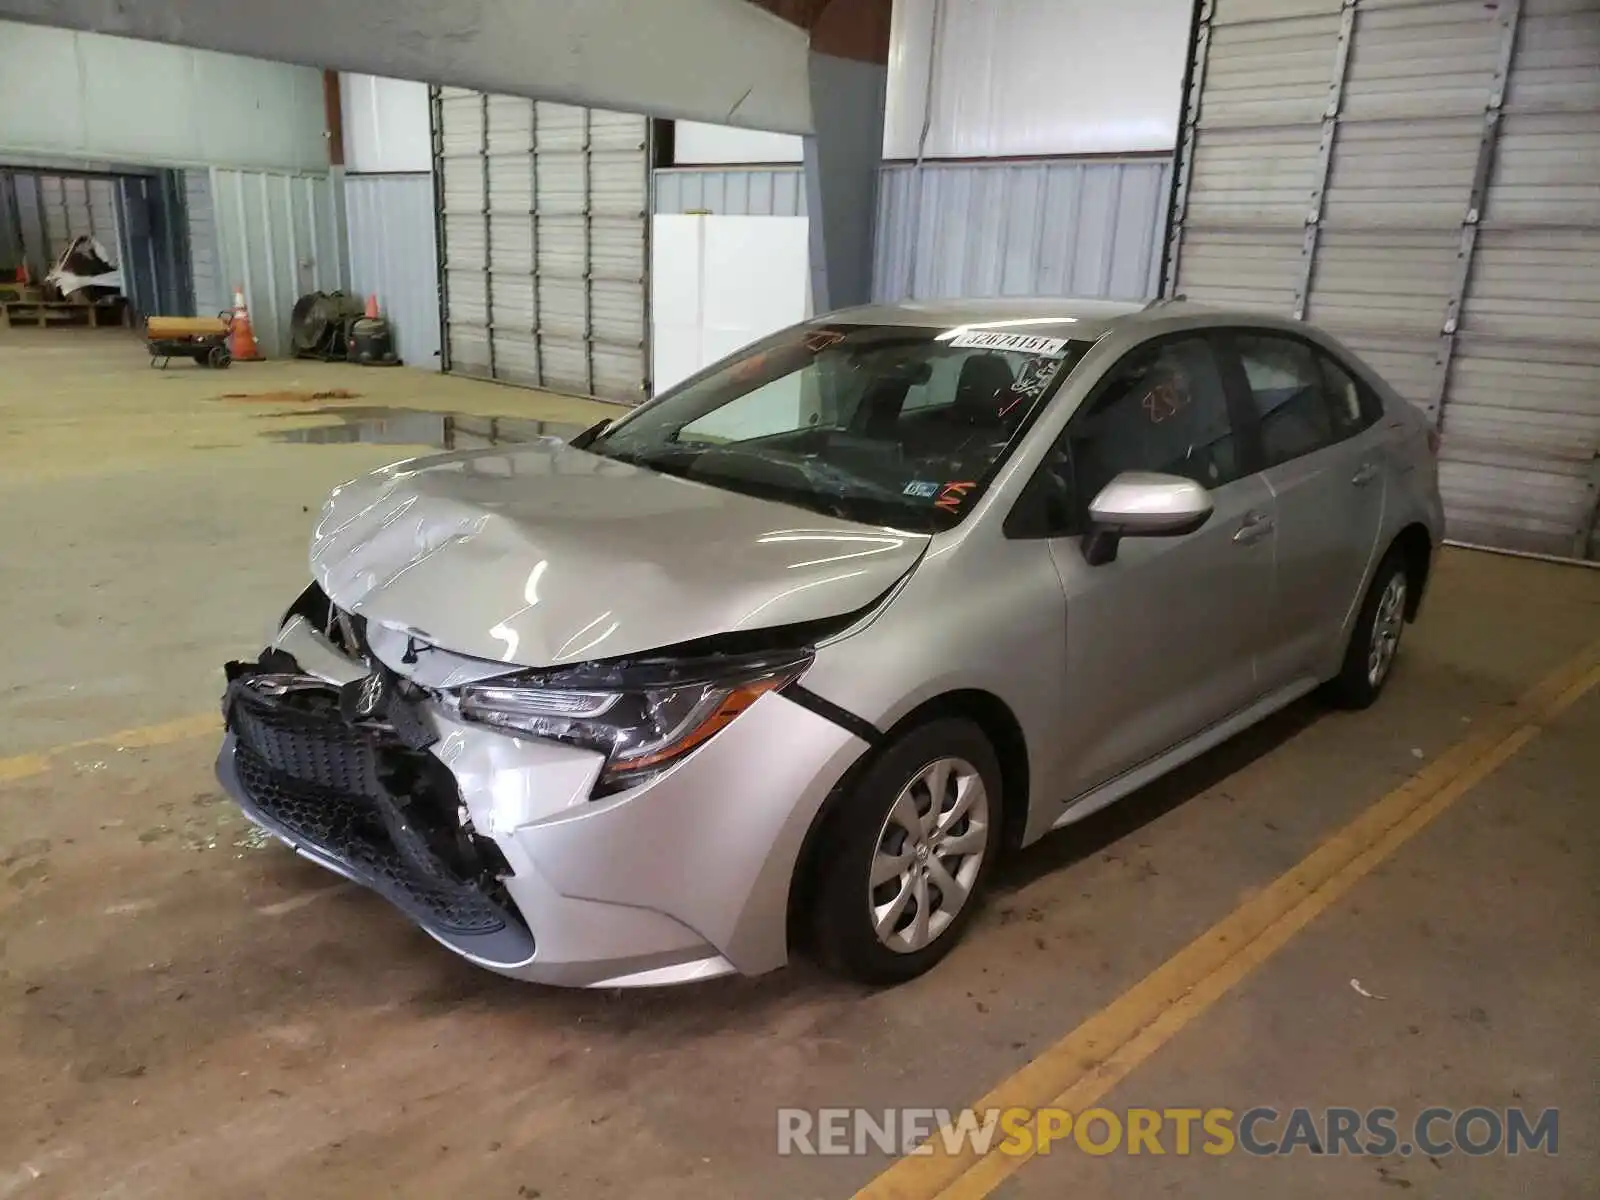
1323 456
1162 642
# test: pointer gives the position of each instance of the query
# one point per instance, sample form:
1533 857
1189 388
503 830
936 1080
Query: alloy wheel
929 852
1387 623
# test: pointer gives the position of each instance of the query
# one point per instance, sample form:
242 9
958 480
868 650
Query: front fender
986 617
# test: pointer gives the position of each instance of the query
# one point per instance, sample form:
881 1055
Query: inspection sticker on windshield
1022 343
926 488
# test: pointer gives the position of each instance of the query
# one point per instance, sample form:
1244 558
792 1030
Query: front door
1161 642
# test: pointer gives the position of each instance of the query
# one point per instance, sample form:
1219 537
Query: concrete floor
185 1011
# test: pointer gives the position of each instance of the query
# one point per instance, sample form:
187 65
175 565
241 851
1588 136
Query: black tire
219 358
1354 687
842 927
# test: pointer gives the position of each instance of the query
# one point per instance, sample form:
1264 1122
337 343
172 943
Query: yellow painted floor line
23 766
1081 1068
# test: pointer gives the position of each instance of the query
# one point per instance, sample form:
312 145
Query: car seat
979 388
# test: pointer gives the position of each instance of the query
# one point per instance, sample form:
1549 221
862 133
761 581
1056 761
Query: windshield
884 424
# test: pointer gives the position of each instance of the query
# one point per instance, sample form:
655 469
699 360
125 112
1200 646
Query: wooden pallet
41 313
12 292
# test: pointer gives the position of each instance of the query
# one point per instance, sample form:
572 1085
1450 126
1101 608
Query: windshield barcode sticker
1021 343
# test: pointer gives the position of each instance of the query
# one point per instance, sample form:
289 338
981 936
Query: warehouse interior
554 213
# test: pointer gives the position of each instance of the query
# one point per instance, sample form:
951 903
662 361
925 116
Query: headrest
978 388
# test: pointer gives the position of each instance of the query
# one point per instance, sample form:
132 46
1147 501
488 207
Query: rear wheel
909 854
1375 640
219 357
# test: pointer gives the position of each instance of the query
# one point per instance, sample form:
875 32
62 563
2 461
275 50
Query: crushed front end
342 773
525 853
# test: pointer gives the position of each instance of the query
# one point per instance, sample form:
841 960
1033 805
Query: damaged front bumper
492 842
360 802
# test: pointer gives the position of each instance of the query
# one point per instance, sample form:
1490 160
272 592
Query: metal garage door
64 207
1423 178
76 205
545 242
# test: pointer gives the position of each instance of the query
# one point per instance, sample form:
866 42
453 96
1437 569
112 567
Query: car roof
1043 315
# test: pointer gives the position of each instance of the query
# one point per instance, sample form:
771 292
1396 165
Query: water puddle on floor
413 427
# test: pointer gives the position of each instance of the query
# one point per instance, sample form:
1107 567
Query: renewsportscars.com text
1260 1131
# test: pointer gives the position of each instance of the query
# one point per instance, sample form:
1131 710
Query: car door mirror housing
1143 504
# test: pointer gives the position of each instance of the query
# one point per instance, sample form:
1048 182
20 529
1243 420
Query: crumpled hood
542 554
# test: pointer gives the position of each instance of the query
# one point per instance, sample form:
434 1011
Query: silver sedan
793 654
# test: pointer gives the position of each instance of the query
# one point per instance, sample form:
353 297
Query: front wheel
1375 640
909 853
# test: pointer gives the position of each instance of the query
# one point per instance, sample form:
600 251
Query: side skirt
1152 769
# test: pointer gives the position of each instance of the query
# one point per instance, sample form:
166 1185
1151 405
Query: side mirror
583 439
1143 504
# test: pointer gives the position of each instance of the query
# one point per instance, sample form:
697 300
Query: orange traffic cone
241 338
372 306
24 276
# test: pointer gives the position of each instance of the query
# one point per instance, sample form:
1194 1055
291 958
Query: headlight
642 717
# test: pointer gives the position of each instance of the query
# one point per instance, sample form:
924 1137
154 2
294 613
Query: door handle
1365 474
1256 526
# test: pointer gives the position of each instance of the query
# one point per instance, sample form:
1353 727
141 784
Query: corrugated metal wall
733 192
276 236
210 289
388 125
1423 178
1035 78
1040 228
393 254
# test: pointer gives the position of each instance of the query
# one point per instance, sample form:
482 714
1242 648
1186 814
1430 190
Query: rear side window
1303 400
1354 407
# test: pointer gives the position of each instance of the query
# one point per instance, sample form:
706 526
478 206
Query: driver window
1162 409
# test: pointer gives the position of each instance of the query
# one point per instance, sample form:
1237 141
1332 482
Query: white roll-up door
1421 177
546 226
